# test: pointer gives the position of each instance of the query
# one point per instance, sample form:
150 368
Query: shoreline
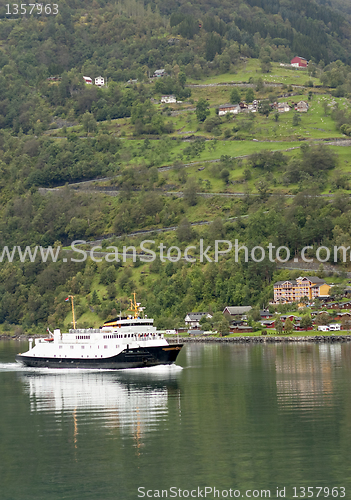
226 340
5 336
262 339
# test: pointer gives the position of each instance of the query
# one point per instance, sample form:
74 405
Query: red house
299 62
283 317
88 80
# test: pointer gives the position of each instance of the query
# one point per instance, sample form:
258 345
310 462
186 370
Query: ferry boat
131 342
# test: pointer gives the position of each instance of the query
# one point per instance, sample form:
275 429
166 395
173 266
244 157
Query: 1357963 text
17 9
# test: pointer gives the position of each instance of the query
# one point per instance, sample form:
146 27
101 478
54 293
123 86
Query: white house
302 107
168 99
228 108
283 107
159 72
88 80
192 320
100 81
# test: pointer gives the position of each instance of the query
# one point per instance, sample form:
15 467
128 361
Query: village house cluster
243 107
302 291
236 316
284 107
281 107
345 317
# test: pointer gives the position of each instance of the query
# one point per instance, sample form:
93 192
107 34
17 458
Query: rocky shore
262 339
17 337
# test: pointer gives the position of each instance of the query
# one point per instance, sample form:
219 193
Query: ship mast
134 306
74 321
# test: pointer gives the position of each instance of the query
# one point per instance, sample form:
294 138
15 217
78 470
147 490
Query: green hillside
256 177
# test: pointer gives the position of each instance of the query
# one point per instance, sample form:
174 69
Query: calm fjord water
233 417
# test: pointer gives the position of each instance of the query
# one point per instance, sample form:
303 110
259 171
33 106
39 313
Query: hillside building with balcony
311 287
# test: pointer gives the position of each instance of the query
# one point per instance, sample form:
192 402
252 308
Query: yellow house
311 287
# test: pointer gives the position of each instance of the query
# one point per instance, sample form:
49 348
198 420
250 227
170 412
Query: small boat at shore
130 342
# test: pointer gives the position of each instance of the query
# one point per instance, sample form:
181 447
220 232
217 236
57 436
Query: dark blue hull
129 358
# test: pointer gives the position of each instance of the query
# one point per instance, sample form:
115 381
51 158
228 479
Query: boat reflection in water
132 401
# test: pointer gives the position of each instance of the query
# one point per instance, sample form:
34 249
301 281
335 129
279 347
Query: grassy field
315 124
252 69
211 151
